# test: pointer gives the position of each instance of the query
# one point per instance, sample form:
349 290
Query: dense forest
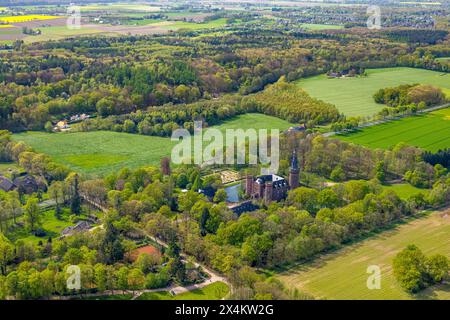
112 76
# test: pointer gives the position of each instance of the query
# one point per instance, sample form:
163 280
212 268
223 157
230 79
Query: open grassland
177 25
120 7
316 26
429 131
7 167
354 96
405 190
102 152
99 152
343 274
26 18
255 121
51 225
60 32
214 291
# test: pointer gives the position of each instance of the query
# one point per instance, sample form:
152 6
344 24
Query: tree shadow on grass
432 292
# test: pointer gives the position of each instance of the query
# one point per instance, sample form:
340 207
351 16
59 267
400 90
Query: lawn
50 224
354 96
429 131
7 167
342 274
214 291
101 152
405 190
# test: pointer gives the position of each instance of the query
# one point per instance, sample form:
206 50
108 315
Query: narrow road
214 276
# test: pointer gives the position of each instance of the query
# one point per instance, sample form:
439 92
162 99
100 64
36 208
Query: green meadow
343 274
98 153
255 121
177 25
430 131
51 225
354 96
214 291
405 190
317 26
60 32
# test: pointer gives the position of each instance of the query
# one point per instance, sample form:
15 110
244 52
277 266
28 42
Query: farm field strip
354 96
428 131
26 18
342 274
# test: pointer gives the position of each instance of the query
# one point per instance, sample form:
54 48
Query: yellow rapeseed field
25 18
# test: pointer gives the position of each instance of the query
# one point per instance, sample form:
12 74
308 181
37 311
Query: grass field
214 291
177 25
99 153
353 96
256 121
60 32
102 152
342 274
316 26
404 190
50 224
429 131
120 7
6 167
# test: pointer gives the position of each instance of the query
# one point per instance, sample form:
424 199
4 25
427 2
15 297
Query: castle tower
294 172
268 192
249 185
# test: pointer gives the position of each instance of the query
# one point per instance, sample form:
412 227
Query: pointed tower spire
294 171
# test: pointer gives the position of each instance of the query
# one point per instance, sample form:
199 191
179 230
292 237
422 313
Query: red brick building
273 187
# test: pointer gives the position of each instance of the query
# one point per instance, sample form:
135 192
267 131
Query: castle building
273 187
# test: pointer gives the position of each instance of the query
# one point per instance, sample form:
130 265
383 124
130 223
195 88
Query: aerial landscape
224 150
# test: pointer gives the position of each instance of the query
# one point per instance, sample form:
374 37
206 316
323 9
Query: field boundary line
386 120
